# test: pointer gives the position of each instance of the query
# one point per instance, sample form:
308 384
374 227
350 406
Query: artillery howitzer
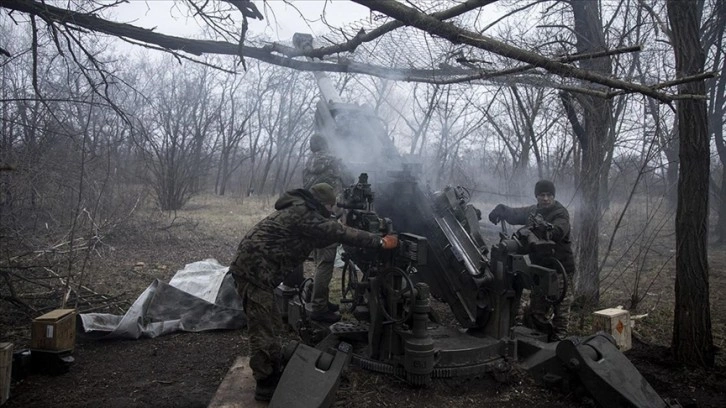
441 256
389 294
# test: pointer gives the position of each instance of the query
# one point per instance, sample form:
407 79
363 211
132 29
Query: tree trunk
669 145
223 173
692 337
717 109
595 141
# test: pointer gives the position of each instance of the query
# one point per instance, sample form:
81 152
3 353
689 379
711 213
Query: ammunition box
54 331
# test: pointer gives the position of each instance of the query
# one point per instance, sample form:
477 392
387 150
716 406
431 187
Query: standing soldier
556 214
323 167
269 252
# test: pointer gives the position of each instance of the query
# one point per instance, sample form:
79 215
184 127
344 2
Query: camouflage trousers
324 265
540 309
264 328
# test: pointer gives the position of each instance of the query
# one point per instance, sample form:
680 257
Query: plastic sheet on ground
200 297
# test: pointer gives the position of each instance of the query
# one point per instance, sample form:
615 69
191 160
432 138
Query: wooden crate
615 322
54 331
6 368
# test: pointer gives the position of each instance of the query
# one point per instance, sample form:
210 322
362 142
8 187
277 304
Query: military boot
558 335
266 388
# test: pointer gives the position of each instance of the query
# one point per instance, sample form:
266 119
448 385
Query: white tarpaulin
200 297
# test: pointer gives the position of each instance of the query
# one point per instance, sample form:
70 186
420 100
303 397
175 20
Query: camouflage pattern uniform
557 215
323 167
269 251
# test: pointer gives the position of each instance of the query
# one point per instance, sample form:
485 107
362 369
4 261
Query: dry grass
227 216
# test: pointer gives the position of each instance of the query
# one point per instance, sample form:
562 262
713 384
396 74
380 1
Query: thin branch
570 58
692 78
458 35
363 37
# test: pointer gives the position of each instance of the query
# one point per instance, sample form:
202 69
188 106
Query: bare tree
174 137
285 121
692 337
593 133
713 37
237 108
275 133
64 195
522 128
425 99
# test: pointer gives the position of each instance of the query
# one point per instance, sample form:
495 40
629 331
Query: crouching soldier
271 250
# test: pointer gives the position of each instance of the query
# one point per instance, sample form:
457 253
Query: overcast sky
280 23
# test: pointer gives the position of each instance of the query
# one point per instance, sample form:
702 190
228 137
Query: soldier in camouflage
556 214
269 251
323 167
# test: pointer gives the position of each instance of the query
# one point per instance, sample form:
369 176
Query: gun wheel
349 282
396 292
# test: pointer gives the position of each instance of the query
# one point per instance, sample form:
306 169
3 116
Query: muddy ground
185 369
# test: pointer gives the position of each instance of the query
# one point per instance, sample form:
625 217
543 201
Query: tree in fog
425 99
174 135
237 107
285 118
67 190
454 124
592 129
518 119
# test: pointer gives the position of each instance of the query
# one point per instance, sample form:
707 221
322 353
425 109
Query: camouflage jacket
557 215
285 238
323 167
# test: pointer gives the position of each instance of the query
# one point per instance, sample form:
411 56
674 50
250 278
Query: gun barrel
304 42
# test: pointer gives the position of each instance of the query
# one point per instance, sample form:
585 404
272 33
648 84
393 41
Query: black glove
497 213
478 213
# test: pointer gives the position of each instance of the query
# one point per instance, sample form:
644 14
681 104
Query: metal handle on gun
504 228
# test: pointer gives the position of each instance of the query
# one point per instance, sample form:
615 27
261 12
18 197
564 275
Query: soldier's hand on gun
389 242
497 213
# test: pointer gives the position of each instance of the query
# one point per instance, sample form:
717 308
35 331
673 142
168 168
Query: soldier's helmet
318 143
324 193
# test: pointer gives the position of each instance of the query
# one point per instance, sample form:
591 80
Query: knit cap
544 186
324 193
